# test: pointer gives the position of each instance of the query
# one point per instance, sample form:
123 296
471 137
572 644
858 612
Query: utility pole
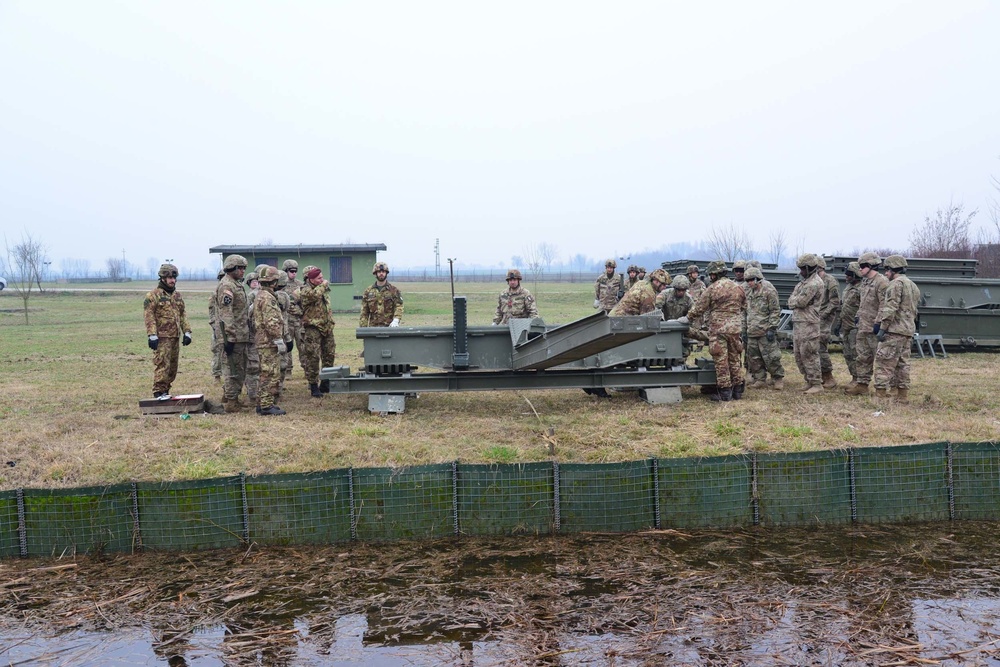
451 270
437 258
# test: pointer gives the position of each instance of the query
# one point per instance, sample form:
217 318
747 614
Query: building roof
296 249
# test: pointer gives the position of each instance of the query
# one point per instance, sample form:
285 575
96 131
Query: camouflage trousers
764 357
825 364
727 352
217 354
866 345
270 376
892 362
697 334
805 341
850 341
253 371
318 351
165 364
235 371
295 327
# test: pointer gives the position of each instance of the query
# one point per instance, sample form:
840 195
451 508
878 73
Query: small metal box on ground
387 403
659 395
175 405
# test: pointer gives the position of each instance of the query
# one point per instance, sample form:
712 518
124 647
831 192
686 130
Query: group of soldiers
875 318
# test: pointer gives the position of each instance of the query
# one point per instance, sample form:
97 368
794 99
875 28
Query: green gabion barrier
931 482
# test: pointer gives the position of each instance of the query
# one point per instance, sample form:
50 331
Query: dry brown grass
71 380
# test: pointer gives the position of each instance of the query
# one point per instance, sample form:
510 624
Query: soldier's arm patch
227 298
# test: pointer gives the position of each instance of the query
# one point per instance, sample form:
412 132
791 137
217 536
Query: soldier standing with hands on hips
163 310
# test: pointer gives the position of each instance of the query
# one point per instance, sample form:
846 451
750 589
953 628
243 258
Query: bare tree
117 269
548 254
944 235
730 243
24 261
580 262
779 243
533 261
75 268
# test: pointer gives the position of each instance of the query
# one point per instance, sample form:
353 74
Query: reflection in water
839 596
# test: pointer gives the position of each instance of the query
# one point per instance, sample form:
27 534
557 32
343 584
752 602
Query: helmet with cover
692 268
820 262
267 274
611 262
250 277
289 264
807 261
234 262
513 274
717 267
680 282
380 266
753 273
740 265
167 271
754 263
660 276
895 262
282 279
870 258
853 268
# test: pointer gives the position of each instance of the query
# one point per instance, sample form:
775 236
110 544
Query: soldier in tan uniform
381 304
897 322
829 312
845 326
291 269
213 321
724 302
234 326
163 312
284 300
763 315
641 299
873 288
804 303
269 336
515 301
631 278
607 286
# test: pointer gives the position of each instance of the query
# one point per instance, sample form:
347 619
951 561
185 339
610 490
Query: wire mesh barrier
929 482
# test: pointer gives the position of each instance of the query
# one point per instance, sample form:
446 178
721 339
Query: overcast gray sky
159 129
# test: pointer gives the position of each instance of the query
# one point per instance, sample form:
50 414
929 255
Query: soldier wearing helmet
829 313
233 304
898 318
739 271
515 301
607 287
641 273
641 298
631 278
763 316
675 302
845 326
805 302
269 338
382 303
294 312
319 348
873 287
284 300
724 304
166 328
213 322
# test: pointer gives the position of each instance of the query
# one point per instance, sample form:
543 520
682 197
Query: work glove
229 346
683 319
395 322
290 345
875 328
836 329
597 303
154 342
769 335
881 334
187 338
280 344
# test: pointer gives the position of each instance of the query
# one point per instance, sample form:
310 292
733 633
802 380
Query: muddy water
926 594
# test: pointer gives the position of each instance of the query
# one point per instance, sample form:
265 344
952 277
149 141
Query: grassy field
71 379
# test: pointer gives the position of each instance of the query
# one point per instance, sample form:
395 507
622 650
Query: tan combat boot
231 406
778 384
814 389
828 381
903 396
755 384
881 393
857 389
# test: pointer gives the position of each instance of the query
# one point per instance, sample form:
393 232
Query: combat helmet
380 266
661 276
611 262
740 265
854 268
633 267
692 267
870 258
680 282
289 264
807 260
754 264
234 262
821 262
753 272
717 267
282 279
250 277
167 271
513 273
267 274
895 262
257 269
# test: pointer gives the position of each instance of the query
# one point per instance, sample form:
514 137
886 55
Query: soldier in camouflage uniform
845 326
606 287
897 321
675 302
724 302
739 272
805 302
829 312
284 305
640 273
234 326
381 304
632 278
253 355
269 336
515 301
163 311
641 299
873 286
697 286
763 314
291 269
213 321
318 344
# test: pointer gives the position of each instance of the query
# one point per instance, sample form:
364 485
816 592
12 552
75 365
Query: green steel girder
585 337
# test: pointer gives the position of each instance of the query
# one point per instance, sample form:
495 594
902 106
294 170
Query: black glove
769 335
836 329
154 342
857 319
229 347
187 338
875 328
290 345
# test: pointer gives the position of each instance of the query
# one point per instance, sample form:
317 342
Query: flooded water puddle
888 595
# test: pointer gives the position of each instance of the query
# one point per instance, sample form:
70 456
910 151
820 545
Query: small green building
347 267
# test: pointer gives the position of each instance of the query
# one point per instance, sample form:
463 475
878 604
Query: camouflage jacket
806 299
696 288
673 306
606 290
639 300
898 314
849 308
872 297
213 310
164 314
284 300
231 297
292 289
315 302
829 307
267 321
380 305
763 309
723 303
515 303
